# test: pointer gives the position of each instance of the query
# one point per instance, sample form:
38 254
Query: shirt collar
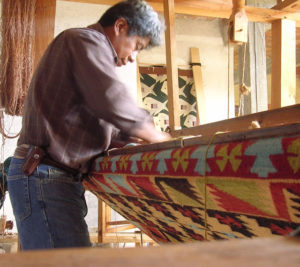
98 27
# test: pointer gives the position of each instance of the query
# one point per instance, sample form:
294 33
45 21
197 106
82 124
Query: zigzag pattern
155 99
251 188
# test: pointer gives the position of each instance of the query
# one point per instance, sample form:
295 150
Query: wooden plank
213 9
162 70
283 91
144 148
198 83
272 118
288 5
222 137
119 229
139 87
267 252
172 73
117 222
107 215
286 130
101 220
44 27
240 22
286 115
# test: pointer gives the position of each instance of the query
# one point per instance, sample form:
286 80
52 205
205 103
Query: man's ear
121 26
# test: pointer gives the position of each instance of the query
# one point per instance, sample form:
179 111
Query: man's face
127 46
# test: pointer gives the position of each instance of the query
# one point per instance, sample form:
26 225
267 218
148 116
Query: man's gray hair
143 21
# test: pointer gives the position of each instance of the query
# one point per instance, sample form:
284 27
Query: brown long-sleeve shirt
75 101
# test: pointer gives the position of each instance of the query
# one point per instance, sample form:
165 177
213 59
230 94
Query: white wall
210 36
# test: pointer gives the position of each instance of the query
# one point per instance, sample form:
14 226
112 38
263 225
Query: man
76 106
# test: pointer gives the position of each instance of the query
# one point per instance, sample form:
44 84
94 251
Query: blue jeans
49 207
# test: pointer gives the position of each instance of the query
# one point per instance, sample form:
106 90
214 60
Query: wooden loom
209 187
45 14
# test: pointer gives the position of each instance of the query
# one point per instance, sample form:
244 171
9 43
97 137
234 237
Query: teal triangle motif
134 159
262 149
162 156
199 154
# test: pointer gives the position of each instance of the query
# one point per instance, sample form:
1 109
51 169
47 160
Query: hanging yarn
17 29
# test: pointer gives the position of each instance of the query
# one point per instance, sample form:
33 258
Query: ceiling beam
220 9
288 5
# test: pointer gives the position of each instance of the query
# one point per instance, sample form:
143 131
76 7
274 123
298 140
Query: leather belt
48 161
34 156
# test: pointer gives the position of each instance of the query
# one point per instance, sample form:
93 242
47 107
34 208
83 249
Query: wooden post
238 30
44 27
283 90
101 220
139 87
172 72
198 83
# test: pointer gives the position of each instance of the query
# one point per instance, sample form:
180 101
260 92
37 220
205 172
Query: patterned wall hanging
155 96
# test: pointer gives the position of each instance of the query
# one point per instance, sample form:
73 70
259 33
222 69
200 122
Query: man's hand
149 134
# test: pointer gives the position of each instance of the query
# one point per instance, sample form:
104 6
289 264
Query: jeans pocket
59 175
19 196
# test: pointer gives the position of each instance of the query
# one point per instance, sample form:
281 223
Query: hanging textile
17 29
155 97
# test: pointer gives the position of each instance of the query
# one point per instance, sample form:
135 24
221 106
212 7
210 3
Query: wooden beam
118 222
238 4
198 83
101 220
119 229
283 91
44 27
139 86
224 137
172 72
286 115
288 5
267 252
235 128
207 8
238 22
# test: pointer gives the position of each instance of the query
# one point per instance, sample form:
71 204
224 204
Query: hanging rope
2 127
17 29
244 90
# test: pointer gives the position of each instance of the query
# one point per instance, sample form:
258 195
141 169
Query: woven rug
230 190
155 96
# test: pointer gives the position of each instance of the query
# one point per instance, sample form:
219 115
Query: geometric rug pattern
155 96
222 191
